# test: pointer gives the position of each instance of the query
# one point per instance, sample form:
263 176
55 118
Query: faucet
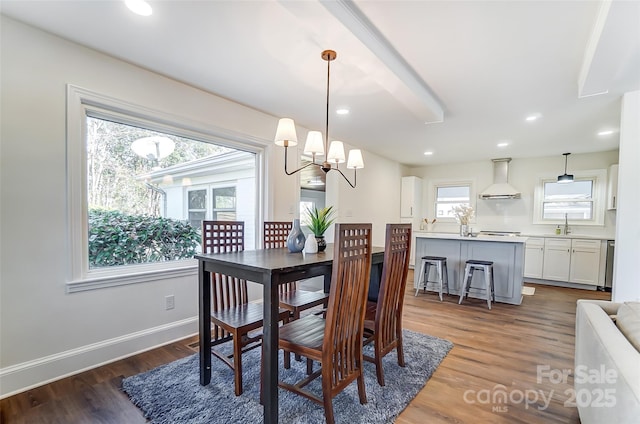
566 225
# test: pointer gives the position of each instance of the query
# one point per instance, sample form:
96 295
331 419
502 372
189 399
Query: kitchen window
449 196
580 202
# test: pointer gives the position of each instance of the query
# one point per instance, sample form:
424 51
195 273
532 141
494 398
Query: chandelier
286 136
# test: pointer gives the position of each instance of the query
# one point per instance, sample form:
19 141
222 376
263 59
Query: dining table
269 268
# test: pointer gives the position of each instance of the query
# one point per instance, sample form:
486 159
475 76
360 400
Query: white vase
311 244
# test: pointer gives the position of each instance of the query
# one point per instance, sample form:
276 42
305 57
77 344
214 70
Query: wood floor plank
493 349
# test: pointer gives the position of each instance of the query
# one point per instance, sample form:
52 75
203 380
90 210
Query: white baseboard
27 375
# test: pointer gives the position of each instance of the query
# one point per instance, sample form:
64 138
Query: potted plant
319 221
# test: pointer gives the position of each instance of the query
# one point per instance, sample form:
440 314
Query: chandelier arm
355 174
299 169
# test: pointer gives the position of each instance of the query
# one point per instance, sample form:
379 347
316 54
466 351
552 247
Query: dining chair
232 316
383 319
335 342
291 297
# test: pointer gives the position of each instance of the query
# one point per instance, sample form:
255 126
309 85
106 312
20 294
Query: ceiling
451 77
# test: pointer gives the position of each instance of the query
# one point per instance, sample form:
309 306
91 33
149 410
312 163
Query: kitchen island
507 254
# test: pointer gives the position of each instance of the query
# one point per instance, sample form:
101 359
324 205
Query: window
449 197
582 202
573 200
139 187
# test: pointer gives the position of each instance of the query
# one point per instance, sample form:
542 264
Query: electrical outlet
169 302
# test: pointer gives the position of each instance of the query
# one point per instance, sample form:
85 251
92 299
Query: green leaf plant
320 220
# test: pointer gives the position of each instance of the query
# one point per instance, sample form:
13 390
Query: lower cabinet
557 259
563 259
585 261
534 257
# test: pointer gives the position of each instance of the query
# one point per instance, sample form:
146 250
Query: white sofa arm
601 348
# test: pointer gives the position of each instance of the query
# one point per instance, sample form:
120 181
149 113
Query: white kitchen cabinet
411 198
612 188
585 261
534 257
557 259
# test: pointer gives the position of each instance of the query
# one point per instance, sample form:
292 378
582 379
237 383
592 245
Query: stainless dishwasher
608 274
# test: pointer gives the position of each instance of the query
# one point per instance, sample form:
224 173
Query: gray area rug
172 393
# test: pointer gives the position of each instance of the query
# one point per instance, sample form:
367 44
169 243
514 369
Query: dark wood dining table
270 268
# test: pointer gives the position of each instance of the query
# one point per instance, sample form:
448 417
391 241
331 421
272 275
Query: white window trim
449 183
79 102
599 177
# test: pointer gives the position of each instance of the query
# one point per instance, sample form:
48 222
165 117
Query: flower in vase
463 214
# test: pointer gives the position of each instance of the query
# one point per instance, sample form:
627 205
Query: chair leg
309 366
361 390
326 401
399 347
379 369
237 362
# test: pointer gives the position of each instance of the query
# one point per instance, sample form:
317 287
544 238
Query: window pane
224 198
573 210
445 210
140 205
453 193
574 190
198 199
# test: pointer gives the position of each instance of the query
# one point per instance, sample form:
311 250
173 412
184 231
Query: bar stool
487 268
440 263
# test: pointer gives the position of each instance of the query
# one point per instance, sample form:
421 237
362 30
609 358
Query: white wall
626 283
524 174
45 332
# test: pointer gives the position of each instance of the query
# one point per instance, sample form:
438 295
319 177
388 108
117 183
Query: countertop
571 236
480 237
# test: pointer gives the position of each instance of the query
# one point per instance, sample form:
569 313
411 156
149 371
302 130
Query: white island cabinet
507 254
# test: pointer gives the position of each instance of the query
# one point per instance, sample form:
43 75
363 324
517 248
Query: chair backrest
226 292
275 234
393 283
275 237
342 344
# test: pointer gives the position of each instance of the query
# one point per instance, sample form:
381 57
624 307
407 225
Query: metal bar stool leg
439 275
421 277
486 269
446 277
468 274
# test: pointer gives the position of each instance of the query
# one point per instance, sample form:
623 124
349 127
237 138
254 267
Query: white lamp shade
355 159
314 144
286 132
336 152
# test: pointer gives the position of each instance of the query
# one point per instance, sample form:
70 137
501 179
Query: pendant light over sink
565 178
286 137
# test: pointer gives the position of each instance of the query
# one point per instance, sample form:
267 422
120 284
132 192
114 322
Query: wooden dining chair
383 319
336 342
291 297
232 316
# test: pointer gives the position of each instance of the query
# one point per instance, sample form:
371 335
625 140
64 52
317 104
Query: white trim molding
27 375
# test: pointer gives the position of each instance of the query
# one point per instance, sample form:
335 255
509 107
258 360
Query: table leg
270 348
204 291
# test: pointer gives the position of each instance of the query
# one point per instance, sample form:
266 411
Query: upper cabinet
612 189
411 197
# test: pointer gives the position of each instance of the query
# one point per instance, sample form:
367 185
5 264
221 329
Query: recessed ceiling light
343 111
503 144
428 153
607 132
533 117
139 7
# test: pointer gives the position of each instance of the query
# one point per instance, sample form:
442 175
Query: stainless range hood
500 189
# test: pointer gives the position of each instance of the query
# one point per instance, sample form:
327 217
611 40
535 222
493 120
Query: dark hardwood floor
503 346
